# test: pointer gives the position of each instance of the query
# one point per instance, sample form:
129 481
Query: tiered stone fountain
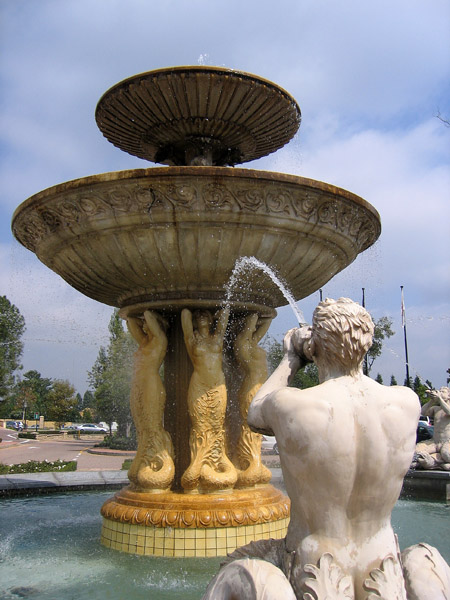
161 244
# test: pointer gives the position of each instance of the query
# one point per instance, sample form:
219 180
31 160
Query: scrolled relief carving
345 219
386 582
251 199
305 205
89 206
30 229
51 218
120 199
109 199
218 196
69 211
327 581
327 213
365 235
279 202
169 195
185 518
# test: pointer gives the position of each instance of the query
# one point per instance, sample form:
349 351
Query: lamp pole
405 339
24 414
366 360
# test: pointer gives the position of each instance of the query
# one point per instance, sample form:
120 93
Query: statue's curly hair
343 330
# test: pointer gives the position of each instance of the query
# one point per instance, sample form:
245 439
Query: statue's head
203 320
342 332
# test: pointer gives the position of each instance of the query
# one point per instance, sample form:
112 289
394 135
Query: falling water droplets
245 263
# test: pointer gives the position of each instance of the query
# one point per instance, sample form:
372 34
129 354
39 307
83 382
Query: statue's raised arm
222 322
135 327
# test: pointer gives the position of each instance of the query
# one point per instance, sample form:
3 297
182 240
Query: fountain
161 244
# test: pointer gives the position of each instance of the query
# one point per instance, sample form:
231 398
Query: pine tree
110 378
12 327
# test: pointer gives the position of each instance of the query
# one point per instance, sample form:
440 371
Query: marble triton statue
435 453
343 465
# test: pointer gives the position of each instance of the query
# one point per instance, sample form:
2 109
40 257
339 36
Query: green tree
34 390
383 330
408 382
62 403
379 379
88 400
12 327
304 378
88 417
111 376
393 380
421 389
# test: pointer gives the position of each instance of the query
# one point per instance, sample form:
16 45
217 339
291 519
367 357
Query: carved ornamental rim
195 172
217 189
169 509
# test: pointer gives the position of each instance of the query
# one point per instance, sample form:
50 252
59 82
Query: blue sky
370 78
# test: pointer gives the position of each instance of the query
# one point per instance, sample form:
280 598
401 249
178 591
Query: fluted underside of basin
171 236
157 115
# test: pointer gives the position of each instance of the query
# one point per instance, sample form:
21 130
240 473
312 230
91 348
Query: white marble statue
435 453
345 446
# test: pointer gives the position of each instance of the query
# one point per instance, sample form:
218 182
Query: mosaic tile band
185 543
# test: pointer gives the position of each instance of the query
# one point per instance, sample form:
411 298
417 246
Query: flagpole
366 360
404 335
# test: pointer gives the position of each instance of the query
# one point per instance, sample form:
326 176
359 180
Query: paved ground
14 450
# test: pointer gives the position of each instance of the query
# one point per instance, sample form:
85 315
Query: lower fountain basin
170 236
50 545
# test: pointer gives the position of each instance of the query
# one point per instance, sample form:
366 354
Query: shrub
27 435
118 443
34 466
126 464
49 432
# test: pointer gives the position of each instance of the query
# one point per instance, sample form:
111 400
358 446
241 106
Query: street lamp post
24 413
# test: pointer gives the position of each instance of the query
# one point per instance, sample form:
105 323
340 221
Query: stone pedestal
192 525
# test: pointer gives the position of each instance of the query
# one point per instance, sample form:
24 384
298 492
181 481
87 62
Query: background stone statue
345 446
210 468
152 467
435 453
253 361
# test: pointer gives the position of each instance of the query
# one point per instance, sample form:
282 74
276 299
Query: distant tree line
110 377
22 397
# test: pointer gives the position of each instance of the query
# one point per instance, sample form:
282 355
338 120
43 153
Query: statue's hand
294 342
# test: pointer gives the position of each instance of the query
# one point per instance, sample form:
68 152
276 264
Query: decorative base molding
191 525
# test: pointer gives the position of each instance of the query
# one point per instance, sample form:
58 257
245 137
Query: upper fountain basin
198 115
170 236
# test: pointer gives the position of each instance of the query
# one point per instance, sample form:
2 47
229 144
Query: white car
268 443
91 428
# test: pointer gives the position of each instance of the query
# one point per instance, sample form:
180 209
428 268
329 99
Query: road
14 451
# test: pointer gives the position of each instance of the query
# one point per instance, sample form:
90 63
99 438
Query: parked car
425 420
268 443
424 432
106 426
91 428
11 424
